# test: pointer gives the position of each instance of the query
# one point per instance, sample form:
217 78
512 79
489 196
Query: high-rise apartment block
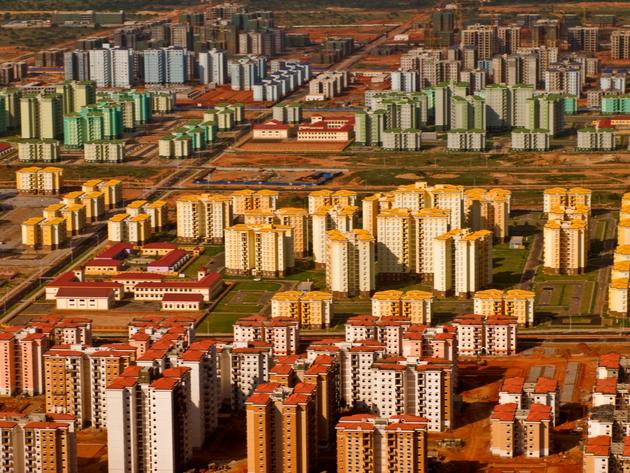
46 151
565 246
112 67
203 217
350 263
248 199
263 250
483 37
462 262
620 44
41 116
124 227
516 303
429 224
213 67
488 210
583 38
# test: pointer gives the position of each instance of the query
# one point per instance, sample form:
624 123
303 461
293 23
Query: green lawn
191 270
256 286
317 277
507 265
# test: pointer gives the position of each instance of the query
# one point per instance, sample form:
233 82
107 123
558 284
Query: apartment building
371 206
466 140
67 385
44 233
311 309
556 196
283 333
412 305
366 443
263 250
462 262
156 210
327 218
35 180
249 365
565 246
530 140
478 335
46 151
429 223
247 199
203 217
21 361
543 391
111 189
350 263
149 420
41 116
104 151
516 303
326 197
618 296
583 38
282 429
395 248
123 227
388 331
596 139
37 443
297 219
94 203
620 44
482 37
488 210
525 432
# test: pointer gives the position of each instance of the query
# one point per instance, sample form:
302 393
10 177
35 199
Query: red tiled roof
599 446
176 372
271 125
610 360
545 385
96 292
165 383
513 385
539 412
258 398
504 412
115 250
281 369
169 259
159 245
178 297
137 276
296 398
45 425
606 386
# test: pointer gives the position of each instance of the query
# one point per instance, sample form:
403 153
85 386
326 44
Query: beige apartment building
412 305
516 303
326 218
395 248
74 215
248 199
340 198
203 217
429 224
620 44
67 384
260 250
156 210
44 233
282 429
311 309
488 210
618 297
111 189
368 444
258 217
462 262
440 196
123 227
482 37
297 219
565 246
557 196
37 444
373 205
623 232
515 432
480 335
94 202
35 180
350 263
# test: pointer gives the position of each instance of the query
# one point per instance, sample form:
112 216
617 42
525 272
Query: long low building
208 286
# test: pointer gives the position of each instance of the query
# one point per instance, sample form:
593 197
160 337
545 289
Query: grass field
507 265
202 260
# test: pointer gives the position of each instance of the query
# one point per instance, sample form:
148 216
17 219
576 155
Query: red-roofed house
170 262
271 130
208 286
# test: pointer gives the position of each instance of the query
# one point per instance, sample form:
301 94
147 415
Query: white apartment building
203 217
429 224
395 247
263 250
488 210
249 366
340 198
478 335
248 199
283 333
462 262
565 246
330 217
350 263
149 422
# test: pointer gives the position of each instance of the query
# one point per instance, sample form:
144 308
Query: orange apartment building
516 431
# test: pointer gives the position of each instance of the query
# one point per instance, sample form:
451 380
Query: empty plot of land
293 146
570 381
